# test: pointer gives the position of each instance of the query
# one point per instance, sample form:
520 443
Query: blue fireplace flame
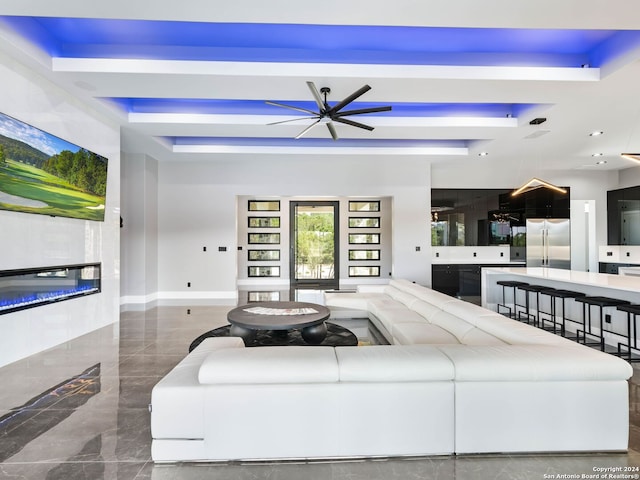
34 299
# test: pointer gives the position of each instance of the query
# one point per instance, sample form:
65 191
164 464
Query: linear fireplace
33 287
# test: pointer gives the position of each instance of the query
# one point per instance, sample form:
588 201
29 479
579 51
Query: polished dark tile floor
79 411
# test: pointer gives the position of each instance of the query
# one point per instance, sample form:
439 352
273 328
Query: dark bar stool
509 284
554 327
528 289
560 294
634 310
601 303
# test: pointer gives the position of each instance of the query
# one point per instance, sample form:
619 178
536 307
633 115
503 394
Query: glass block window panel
263 271
364 222
264 205
368 271
257 238
364 206
364 238
364 254
262 255
264 222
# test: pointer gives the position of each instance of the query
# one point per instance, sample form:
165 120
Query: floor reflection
44 411
57 423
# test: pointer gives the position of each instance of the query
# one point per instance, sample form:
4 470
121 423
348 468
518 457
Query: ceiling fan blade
304 132
332 130
292 120
352 123
316 96
363 110
291 107
349 99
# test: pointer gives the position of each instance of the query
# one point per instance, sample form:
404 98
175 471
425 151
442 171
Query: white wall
139 232
28 240
197 208
629 177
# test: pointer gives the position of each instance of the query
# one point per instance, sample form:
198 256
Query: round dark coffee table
246 320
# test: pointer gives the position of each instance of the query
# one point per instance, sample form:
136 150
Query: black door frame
314 282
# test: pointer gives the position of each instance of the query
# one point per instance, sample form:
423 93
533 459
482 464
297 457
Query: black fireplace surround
33 287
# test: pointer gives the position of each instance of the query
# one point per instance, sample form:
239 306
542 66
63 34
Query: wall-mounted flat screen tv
41 173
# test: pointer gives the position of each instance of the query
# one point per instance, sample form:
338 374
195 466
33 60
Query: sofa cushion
384 302
388 363
425 309
394 316
451 323
353 300
429 295
476 336
422 333
290 364
207 346
468 312
526 363
178 399
514 332
398 295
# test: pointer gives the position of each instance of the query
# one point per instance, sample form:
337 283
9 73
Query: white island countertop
605 280
620 287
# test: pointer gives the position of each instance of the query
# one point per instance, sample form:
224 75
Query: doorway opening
314 247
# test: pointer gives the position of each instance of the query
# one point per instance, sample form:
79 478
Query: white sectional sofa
457 379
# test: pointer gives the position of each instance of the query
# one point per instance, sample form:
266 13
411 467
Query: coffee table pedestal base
248 335
315 334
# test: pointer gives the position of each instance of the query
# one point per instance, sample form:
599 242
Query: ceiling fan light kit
328 114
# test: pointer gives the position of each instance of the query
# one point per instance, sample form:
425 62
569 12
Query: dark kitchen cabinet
538 203
461 280
446 279
623 216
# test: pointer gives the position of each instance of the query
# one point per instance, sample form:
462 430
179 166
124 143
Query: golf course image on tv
41 173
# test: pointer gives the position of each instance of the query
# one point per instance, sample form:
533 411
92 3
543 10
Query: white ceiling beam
311 70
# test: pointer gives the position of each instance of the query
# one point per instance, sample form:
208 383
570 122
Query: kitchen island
621 287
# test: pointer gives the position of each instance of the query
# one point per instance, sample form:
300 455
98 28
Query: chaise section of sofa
538 398
517 388
281 403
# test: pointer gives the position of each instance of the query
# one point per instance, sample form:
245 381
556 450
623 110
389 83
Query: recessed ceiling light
596 133
596 154
483 154
601 162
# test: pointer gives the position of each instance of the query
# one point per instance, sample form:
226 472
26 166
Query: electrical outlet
188 284
188 311
607 318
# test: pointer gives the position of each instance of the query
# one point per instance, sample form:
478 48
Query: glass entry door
314 244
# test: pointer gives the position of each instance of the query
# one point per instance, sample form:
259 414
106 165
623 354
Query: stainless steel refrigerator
549 243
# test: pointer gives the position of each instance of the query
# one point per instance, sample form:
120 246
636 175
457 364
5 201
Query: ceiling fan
330 114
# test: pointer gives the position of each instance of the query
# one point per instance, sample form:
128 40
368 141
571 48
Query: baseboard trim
144 302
